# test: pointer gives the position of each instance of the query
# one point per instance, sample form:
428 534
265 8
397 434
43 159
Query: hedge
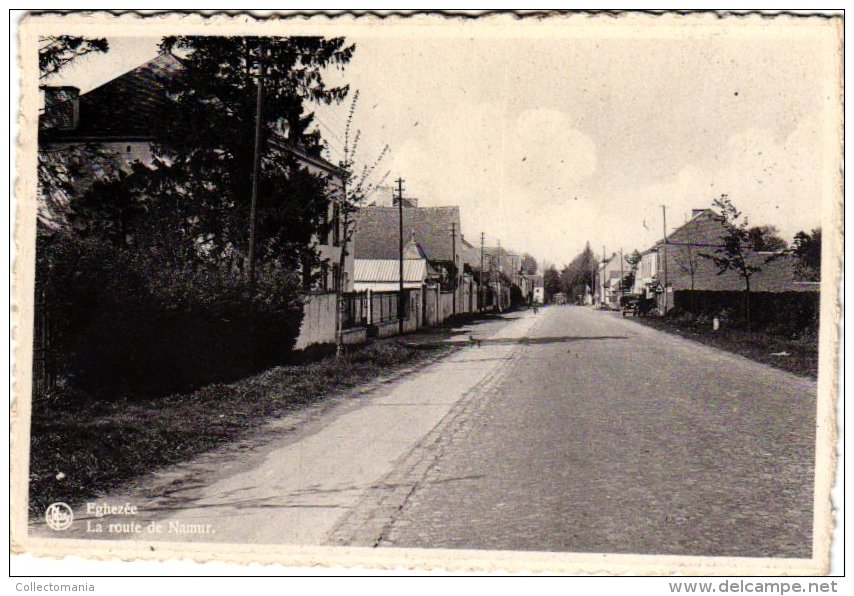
784 313
124 325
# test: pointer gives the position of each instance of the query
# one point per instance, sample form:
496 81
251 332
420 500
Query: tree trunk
342 260
747 296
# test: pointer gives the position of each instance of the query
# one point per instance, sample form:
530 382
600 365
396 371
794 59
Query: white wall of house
647 270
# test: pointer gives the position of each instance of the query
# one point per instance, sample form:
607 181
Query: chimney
61 107
696 212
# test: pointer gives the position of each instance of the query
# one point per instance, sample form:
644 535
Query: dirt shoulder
83 448
798 356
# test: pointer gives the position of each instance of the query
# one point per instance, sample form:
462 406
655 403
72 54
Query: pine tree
206 142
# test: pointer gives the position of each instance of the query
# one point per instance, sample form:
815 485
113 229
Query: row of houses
357 292
675 263
444 276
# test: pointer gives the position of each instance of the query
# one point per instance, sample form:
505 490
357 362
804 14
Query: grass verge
801 355
83 447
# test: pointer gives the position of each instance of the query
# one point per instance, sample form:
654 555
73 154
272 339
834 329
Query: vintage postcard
555 293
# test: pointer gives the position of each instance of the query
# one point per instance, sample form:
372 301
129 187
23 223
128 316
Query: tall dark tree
766 239
60 168
807 251
628 282
150 270
552 283
529 264
580 274
207 141
58 51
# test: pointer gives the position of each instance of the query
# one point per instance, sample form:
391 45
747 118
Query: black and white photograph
551 293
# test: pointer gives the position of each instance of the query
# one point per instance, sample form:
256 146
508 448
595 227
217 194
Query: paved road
571 430
606 436
304 479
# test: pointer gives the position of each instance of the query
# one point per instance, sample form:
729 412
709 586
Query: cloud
513 177
772 181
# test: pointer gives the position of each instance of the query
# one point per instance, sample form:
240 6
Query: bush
788 314
124 323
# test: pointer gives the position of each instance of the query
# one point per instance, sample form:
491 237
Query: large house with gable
116 117
680 261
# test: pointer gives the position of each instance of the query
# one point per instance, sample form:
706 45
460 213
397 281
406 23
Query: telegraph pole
454 259
256 172
664 260
400 246
621 279
498 285
480 288
604 280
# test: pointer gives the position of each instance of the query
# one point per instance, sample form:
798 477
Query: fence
354 310
384 306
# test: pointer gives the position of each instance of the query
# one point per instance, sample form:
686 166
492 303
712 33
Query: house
679 264
472 298
611 272
383 275
503 272
117 116
377 237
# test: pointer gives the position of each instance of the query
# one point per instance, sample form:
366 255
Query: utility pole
480 288
256 171
621 279
454 259
400 245
604 280
339 295
498 266
664 260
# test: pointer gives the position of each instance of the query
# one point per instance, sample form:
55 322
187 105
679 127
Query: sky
547 144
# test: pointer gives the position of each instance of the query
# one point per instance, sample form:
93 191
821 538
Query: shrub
124 323
788 314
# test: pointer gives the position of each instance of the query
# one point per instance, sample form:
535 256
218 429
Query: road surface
571 430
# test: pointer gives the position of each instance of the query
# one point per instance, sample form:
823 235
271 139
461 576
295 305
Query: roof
123 109
388 270
471 254
414 250
377 230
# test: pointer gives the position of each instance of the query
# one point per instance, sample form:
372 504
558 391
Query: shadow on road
543 340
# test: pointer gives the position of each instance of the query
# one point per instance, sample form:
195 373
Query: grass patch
94 445
802 353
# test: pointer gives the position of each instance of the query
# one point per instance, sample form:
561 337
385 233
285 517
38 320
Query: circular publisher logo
59 516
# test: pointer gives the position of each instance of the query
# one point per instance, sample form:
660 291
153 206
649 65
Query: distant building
680 261
437 230
609 276
383 275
